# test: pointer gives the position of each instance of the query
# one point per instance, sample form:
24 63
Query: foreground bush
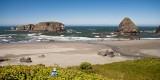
40 72
85 65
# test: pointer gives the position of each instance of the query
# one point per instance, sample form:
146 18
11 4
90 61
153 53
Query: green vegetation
48 22
141 69
40 72
85 65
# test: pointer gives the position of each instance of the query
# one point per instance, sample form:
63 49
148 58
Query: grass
141 69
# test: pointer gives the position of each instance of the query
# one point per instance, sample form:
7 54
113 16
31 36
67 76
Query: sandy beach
66 54
136 48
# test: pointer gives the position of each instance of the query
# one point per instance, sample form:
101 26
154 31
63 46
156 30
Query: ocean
74 33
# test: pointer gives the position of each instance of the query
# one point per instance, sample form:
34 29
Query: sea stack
127 26
42 26
158 30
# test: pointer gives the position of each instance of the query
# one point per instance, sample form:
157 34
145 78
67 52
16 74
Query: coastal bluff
42 26
127 26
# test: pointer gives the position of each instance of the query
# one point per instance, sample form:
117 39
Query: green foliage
40 72
85 65
141 69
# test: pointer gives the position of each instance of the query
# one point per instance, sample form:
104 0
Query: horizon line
106 25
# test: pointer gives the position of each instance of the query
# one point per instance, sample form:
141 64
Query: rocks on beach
4 59
27 60
107 52
42 26
158 30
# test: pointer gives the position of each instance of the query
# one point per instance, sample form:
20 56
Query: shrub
85 65
37 72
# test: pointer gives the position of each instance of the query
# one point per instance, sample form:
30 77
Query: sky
79 12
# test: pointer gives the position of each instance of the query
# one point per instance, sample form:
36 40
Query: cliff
42 26
127 26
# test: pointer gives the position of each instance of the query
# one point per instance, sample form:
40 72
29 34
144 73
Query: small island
127 26
42 27
127 29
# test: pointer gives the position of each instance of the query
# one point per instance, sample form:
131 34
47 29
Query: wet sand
135 48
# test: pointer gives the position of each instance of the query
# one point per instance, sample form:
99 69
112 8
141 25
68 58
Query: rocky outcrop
27 60
127 26
28 27
107 52
42 26
158 30
3 59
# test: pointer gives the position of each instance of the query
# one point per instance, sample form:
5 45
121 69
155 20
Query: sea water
74 33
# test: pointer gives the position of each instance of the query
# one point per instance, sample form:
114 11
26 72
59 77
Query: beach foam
67 38
150 38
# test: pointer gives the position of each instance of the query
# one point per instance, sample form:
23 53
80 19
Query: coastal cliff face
158 30
42 26
127 26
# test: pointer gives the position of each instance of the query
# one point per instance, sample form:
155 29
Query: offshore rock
42 26
127 26
28 27
127 29
158 30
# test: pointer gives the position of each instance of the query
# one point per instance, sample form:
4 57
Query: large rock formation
127 26
42 26
158 30
28 27
107 52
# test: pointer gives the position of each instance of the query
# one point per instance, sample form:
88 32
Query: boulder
22 59
42 26
27 60
127 26
106 52
158 30
3 59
